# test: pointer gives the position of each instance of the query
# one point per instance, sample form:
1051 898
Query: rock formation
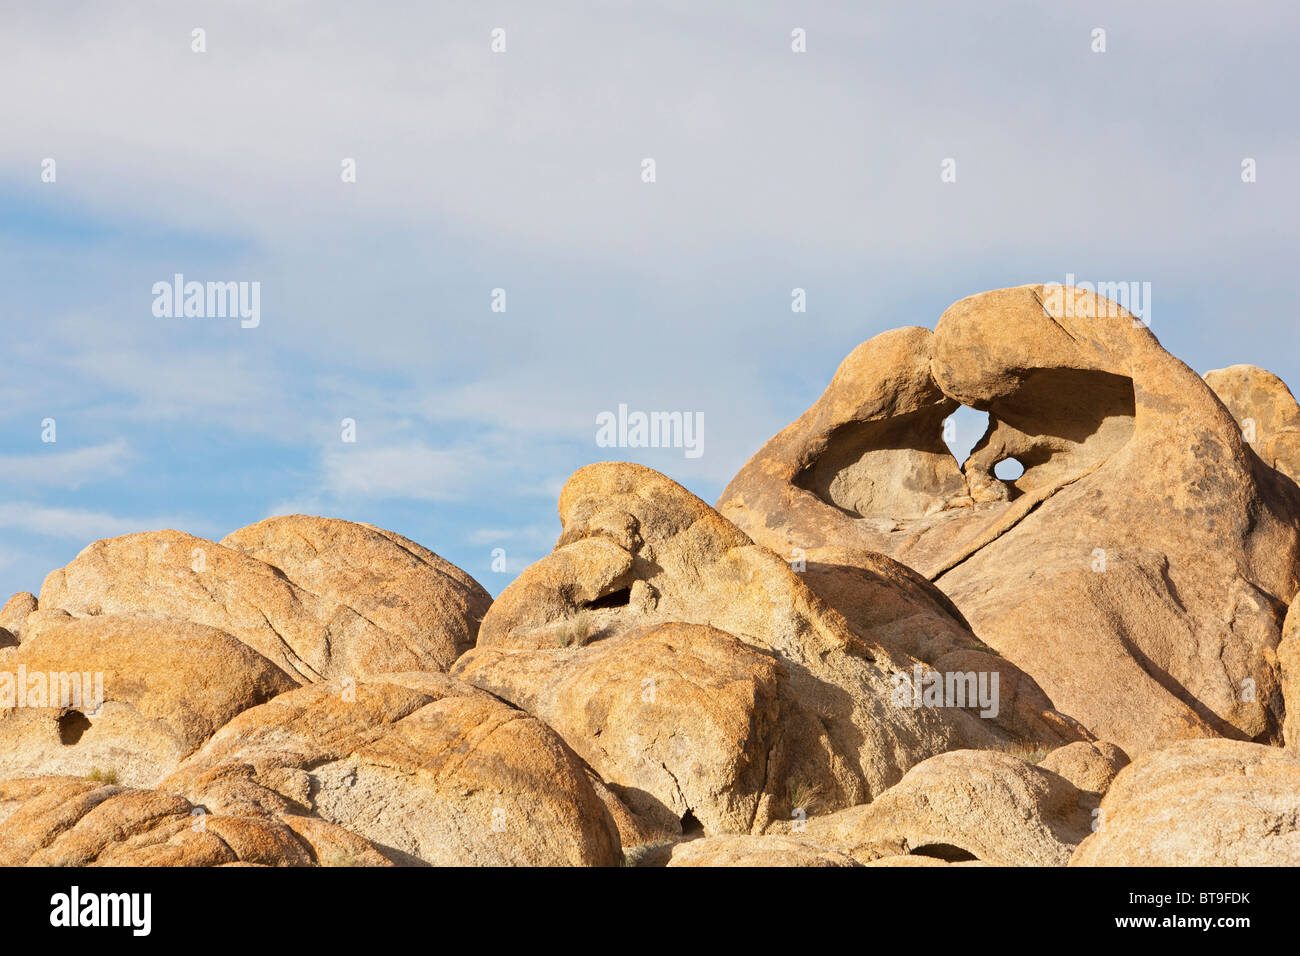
1266 411
69 821
868 655
639 550
129 692
1140 567
427 767
1200 803
964 805
315 614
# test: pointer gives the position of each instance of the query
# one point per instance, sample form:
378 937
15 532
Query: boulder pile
866 654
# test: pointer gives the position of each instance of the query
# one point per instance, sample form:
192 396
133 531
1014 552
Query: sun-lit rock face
1139 569
1200 803
870 654
318 597
638 551
1266 411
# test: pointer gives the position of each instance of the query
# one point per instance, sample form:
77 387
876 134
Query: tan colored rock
888 600
755 851
403 588
1288 658
1200 803
68 821
128 695
906 613
335 624
1267 412
637 829
1089 765
15 612
964 805
1137 571
425 767
638 549
910 859
678 718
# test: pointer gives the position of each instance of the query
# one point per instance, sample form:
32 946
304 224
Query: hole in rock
1008 469
620 598
946 852
1055 422
891 468
71 726
691 826
962 431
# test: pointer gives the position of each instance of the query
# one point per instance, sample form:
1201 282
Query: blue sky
522 171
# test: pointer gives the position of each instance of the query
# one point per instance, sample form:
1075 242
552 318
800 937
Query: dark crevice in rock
72 726
691 827
944 851
621 597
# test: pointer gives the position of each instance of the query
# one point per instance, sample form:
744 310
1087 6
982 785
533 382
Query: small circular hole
1008 469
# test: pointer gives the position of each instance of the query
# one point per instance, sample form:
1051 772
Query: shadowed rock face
639 551
1090 766
1140 567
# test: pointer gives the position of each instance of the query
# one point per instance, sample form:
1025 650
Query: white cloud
533 536
66 469
411 470
836 151
85 525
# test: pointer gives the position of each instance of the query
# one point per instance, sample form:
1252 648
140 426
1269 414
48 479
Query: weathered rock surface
426 767
126 694
677 718
1267 412
1138 570
1288 658
1089 765
912 859
755 851
961 806
638 549
1200 803
15 611
370 602
906 613
675 685
69 821
401 587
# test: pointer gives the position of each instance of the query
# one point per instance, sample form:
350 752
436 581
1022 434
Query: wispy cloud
521 171
66 469
81 524
411 470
